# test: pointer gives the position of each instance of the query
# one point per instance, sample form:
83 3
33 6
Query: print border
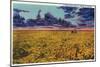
49 63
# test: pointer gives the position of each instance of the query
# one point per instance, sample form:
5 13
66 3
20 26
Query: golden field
31 46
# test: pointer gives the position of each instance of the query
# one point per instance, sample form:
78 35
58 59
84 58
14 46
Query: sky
79 14
73 14
33 10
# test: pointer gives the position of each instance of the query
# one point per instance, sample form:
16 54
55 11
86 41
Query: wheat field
31 46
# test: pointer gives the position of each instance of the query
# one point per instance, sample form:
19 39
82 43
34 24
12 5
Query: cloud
86 13
78 14
19 10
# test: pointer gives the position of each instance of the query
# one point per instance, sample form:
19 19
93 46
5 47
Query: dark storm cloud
69 11
85 13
